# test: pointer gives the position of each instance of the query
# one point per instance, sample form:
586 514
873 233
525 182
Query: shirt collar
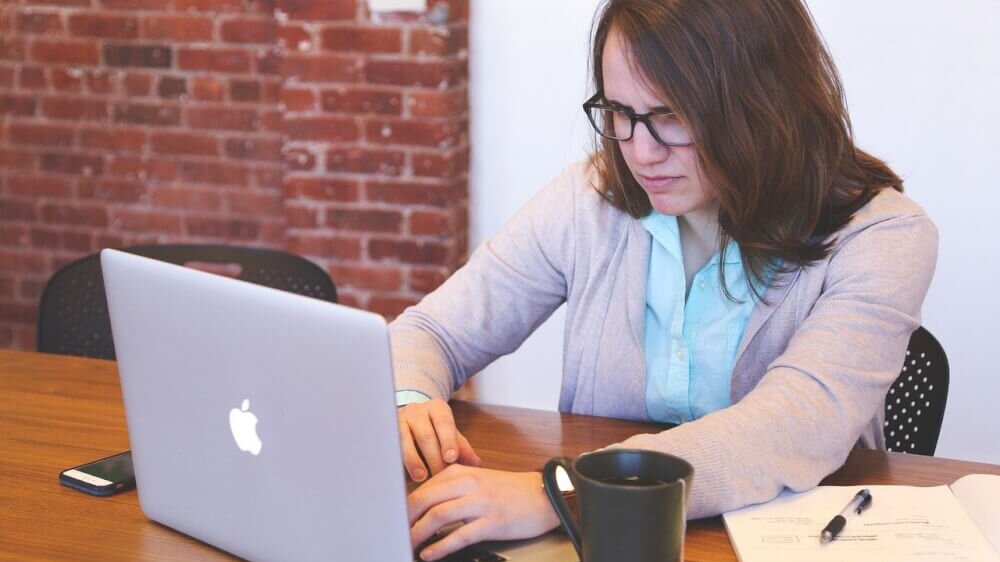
665 231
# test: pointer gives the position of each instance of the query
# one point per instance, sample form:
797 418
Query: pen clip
865 504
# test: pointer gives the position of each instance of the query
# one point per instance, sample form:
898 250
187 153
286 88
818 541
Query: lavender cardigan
811 372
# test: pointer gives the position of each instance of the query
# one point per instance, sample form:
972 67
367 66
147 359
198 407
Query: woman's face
671 176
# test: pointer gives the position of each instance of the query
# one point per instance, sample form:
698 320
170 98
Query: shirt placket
678 385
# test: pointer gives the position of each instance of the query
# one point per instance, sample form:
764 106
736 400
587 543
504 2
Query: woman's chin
679 204
669 205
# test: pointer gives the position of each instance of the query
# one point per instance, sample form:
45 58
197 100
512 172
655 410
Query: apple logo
243 424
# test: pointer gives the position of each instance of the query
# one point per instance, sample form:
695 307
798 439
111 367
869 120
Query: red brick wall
308 125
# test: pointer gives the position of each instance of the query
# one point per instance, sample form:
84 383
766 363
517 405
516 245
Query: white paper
979 495
903 524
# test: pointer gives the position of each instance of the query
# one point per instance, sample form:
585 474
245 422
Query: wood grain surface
57 412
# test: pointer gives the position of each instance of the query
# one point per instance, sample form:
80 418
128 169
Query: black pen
860 502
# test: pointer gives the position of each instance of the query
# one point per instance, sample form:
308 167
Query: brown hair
765 107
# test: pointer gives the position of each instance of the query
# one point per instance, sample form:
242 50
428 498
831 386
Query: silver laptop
264 422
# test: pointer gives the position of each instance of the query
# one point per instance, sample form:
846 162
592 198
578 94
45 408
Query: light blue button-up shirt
691 345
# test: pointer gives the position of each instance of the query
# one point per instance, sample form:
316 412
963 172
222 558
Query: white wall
528 77
923 85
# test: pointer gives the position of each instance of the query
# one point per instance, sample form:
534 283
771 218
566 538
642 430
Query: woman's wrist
569 496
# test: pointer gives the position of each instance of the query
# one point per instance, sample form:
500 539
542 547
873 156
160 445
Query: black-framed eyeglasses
615 122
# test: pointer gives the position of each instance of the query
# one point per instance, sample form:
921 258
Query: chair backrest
73 311
914 406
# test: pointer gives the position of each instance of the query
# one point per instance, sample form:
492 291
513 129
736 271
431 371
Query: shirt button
702 284
680 352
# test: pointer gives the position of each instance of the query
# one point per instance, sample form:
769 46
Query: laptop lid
259 420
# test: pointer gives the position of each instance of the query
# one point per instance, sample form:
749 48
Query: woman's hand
490 505
428 429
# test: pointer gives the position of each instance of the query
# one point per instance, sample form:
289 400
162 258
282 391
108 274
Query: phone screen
113 469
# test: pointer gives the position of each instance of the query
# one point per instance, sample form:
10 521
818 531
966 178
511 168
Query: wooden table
57 412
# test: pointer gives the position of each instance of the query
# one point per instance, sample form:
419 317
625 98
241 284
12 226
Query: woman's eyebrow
658 109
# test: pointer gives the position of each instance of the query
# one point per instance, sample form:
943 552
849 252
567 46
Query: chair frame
264 260
935 382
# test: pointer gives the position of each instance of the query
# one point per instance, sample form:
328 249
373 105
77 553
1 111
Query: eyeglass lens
618 125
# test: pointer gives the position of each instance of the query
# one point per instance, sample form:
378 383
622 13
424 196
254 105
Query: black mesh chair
73 311
914 407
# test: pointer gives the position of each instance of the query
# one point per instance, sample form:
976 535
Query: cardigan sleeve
510 285
802 419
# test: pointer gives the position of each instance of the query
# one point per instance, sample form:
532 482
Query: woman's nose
645 147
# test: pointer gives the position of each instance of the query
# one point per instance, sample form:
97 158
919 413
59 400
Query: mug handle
558 502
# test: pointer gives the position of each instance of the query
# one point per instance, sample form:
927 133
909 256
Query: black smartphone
103 477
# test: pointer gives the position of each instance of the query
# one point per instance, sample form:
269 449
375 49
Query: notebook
953 523
264 422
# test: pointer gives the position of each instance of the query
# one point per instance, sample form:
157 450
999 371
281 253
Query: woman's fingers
486 504
462 537
441 516
454 446
444 426
412 462
466 454
430 440
426 439
430 429
447 486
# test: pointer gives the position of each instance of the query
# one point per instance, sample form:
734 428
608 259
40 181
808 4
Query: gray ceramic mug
632 504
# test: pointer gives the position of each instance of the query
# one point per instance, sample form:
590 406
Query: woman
729 259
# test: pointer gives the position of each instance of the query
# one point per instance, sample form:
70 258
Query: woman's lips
655 183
